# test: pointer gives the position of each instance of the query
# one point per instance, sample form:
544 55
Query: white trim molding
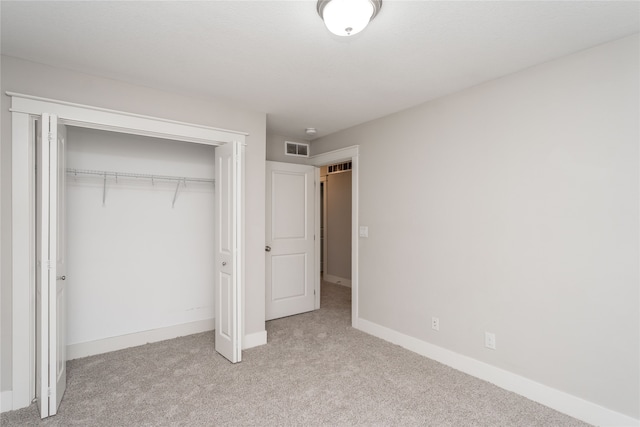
91 348
118 121
337 280
317 272
254 340
6 401
335 156
23 272
545 395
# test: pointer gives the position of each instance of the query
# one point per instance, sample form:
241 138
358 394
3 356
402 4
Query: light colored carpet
315 370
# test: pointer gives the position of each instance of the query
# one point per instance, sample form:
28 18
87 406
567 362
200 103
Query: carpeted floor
315 370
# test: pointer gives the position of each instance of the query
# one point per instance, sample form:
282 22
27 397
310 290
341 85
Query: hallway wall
338 232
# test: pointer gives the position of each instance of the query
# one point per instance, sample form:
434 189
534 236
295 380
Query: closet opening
139 240
37 288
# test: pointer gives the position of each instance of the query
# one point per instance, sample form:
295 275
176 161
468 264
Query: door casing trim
343 154
24 109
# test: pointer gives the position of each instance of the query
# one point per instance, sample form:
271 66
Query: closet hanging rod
73 171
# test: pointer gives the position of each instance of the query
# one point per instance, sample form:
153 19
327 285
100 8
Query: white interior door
229 161
290 245
51 295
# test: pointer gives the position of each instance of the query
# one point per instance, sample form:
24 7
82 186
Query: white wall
513 207
137 263
51 82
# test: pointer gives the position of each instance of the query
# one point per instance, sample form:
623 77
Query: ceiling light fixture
348 17
311 131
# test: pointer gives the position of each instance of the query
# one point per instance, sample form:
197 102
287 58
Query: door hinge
50 136
50 264
49 392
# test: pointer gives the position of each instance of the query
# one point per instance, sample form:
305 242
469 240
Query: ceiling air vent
338 168
299 149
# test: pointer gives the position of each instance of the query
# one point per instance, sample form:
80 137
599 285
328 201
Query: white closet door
51 373
290 239
228 305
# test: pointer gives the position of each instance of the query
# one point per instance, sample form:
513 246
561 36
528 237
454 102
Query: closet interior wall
137 262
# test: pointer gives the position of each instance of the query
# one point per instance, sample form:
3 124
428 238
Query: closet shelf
104 174
73 171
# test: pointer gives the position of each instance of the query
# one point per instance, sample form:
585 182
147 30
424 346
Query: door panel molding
291 268
228 242
51 374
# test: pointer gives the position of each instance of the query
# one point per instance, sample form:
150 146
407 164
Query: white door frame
323 223
341 155
24 108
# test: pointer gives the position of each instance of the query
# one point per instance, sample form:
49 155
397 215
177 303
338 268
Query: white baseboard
6 401
337 280
548 396
75 351
254 340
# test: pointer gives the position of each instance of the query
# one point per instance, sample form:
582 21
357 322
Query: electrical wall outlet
490 340
435 323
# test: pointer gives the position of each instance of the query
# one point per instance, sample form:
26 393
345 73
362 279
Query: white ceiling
277 57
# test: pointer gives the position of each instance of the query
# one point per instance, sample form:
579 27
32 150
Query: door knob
224 263
61 278
267 248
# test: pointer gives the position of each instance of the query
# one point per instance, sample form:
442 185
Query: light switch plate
364 231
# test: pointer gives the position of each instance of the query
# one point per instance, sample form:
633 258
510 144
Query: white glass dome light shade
347 17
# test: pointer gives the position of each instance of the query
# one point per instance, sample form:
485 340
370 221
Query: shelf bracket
104 189
175 195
